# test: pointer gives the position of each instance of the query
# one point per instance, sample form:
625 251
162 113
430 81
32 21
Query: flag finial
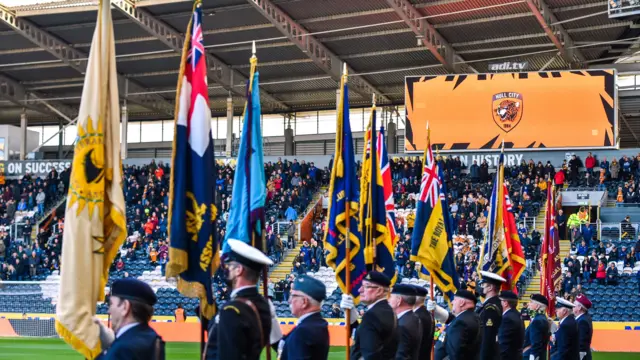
373 99
253 48
344 69
502 144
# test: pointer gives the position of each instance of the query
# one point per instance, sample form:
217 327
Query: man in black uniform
536 337
426 322
243 325
565 340
585 326
402 300
376 336
490 314
310 338
461 338
511 333
131 309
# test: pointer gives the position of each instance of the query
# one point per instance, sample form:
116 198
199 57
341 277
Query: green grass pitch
56 349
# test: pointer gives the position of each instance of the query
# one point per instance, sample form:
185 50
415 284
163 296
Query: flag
374 224
550 254
501 251
385 171
246 214
95 224
431 241
193 251
343 197
515 254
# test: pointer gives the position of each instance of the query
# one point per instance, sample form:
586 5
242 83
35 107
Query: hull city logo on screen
507 108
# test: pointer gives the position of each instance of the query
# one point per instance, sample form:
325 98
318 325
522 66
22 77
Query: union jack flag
429 187
385 171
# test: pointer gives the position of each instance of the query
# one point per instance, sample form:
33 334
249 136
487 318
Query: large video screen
534 110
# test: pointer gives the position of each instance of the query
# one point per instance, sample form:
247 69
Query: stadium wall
607 336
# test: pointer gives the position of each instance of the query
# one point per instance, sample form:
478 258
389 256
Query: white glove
276 332
440 314
106 335
531 357
346 304
582 355
553 327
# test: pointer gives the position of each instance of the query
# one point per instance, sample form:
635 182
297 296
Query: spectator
40 199
583 249
614 169
590 163
291 234
601 273
612 274
336 313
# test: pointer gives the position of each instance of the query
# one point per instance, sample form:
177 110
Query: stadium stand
291 187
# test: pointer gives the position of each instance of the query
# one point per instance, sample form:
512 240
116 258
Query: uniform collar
125 328
301 318
402 313
374 304
578 317
235 292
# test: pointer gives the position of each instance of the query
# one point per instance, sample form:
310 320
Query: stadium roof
301 47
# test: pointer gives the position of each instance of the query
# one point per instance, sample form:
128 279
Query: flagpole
348 233
433 312
373 138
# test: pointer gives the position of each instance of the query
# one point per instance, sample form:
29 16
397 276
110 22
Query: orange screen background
559 110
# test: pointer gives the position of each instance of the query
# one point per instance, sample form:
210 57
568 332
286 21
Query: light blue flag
246 216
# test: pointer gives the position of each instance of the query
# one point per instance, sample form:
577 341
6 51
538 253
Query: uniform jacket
235 333
490 319
140 342
461 339
536 338
427 333
309 340
566 345
585 333
376 335
409 336
511 335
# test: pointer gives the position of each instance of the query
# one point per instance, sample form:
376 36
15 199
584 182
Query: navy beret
421 291
541 299
378 278
404 289
508 295
466 294
134 289
314 288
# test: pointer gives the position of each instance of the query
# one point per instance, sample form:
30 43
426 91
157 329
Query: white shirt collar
463 312
305 316
235 291
418 308
125 328
560 323
578 317
372 305
402 313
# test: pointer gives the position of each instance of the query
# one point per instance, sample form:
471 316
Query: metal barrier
529 222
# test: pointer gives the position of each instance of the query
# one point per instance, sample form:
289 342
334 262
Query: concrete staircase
611 203
534 285
43 220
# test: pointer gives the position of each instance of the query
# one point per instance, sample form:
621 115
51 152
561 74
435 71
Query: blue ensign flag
193 252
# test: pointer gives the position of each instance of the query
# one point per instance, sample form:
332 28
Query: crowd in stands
290 187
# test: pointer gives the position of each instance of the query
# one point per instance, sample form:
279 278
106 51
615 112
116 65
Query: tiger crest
507 108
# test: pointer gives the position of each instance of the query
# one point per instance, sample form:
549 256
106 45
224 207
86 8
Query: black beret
508 295
541 299
314 288
421 291
466 294
404 289
134 289
378 278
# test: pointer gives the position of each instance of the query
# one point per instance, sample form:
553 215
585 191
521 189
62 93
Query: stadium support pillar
60 138
23 135
392 139
229 145
288 137
124 118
